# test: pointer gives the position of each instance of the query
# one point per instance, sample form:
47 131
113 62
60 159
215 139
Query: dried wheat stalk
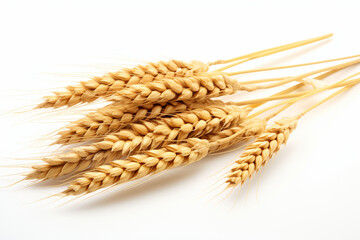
97 154
169 120
156 160
112 118
258 153
137 166
110 83
268 143
153 161
142 136
197 87
201 86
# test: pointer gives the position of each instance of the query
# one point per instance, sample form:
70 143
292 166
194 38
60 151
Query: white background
310 190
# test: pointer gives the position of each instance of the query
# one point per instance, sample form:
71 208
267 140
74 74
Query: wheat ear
113 117
110 83
253 127
258 153
268 143
205 85
157 160
154 161
142 136
151 162
198 87
62 167
138 166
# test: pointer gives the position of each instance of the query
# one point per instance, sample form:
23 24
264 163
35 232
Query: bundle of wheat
162 115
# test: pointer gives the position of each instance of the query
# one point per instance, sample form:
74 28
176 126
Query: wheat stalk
168 120
112 118
268 143
83 157
154 161
110 83
151 162
128 141
142 136
137 166
257 154
201 86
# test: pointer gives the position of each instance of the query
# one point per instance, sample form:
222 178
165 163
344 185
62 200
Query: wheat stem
293 88
328 98
254 102
263 80
290 66
267 144
304 75
267 52
341 83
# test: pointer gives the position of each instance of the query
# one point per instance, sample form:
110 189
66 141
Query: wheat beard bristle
143 136
112 118
259 153
110 83
138 166
196 87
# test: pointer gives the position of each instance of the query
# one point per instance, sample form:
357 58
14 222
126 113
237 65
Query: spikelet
197 87
142 136
112 118
110 83
259 153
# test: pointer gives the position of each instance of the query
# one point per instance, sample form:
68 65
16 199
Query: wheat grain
258 153
110 83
